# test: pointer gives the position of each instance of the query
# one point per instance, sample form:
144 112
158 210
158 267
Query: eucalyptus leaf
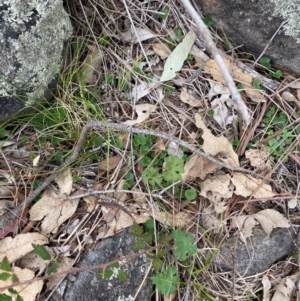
176 59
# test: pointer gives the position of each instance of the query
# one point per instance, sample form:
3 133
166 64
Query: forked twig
118 127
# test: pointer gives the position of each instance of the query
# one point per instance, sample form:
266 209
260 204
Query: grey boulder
259 254
253 23
33 37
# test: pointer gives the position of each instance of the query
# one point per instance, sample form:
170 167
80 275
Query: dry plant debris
164 148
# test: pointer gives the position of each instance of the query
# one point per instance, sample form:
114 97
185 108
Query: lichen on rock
33 36
290 11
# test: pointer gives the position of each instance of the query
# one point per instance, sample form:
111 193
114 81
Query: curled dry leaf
188 97
139 34
179 219
64 181
217 188
143 111
198 167
17 247
28 292
54 209
213 145
116 220
268 218
267 286
284 290
212 68
246 185
210 220
162 50
259 158
220 104
290 97
245 224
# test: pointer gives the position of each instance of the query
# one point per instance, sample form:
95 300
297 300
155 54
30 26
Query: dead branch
6 219
206 37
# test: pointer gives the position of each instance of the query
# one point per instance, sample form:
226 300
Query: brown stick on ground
7 218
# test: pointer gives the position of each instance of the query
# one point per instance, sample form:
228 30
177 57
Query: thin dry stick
236 97
119 127
128 129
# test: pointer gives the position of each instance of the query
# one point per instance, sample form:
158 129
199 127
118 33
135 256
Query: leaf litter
217 189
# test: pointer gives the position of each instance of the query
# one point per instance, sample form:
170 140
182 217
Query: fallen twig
205 35
120 127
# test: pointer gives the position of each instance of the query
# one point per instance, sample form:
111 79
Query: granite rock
259 254
252 23
88 286
33 37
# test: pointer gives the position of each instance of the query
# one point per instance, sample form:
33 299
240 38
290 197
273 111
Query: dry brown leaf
139 34
64 181
116 220
33 262
245 224
143 111
190 99
198 167
267 286
210 221
54 209
199 55
220 103
217 188
259 158
213 145
65 264
284 290
246 80
17 247
28 292
110 163
246 185
179 219
290 97
270 219
160 145
162 50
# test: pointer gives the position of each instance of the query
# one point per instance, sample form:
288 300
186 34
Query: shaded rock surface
88 286
253 23
259 254
33 37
